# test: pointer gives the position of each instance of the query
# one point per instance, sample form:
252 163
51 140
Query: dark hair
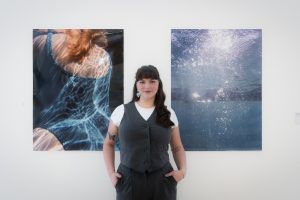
163 114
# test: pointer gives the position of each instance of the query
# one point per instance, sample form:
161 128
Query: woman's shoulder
119 110
129 104
117 114
96 64
173 116
39 42
119 107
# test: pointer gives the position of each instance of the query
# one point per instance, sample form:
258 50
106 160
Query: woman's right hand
114 177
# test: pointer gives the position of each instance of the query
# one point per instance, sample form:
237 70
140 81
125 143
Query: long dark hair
163 114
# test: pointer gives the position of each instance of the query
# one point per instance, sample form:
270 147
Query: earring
138 94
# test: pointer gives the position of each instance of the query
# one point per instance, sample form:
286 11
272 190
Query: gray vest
143 143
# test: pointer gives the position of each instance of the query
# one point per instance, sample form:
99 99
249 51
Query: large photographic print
217 88
77 82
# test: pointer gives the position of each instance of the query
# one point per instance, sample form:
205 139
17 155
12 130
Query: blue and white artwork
77 82
217 88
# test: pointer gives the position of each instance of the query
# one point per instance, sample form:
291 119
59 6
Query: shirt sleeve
173 117
117 115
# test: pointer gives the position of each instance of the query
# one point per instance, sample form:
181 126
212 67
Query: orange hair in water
78 43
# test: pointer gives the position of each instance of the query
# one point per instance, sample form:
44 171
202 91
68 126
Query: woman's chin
148 96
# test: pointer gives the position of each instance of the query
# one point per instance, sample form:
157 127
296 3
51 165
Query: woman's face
147 88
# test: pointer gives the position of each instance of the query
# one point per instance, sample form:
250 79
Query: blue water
216 87
219 125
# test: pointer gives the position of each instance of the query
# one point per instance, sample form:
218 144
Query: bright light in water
221 39
195 95
204 101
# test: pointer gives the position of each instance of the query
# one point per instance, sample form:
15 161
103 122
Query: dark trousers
146 186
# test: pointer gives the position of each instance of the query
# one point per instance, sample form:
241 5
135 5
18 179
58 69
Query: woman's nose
148 85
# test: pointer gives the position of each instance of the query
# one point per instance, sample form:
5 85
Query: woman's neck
145 103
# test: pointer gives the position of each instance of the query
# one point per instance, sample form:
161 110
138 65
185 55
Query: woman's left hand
177 174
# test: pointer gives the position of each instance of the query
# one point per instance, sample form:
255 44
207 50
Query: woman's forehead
147 79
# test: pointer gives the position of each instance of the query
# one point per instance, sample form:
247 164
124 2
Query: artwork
216 88
77 82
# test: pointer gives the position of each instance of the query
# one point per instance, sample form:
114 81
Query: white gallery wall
273 173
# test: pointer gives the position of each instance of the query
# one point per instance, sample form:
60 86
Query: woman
71 89
145 128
